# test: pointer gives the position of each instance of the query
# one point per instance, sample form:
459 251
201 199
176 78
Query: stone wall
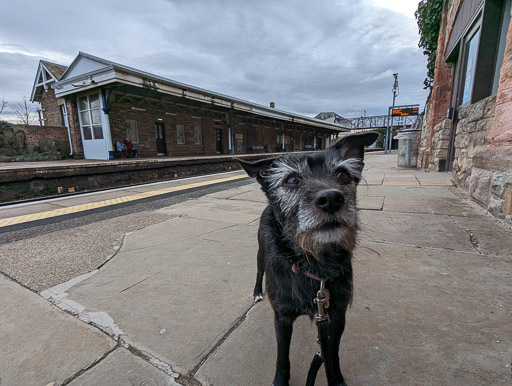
439 147
483 138
441 90
12 141
32 143
43 182
474 120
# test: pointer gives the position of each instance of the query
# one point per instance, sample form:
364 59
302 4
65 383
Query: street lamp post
389 129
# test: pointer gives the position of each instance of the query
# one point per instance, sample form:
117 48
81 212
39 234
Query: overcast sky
306 56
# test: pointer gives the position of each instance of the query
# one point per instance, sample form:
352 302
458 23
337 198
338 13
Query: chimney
272 105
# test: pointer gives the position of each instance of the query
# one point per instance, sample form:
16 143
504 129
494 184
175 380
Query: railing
381 121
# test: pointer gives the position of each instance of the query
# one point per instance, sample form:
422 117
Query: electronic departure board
405 111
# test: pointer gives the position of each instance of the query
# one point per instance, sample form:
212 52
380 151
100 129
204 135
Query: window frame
476 28
198 135
135 128
180 137
90 126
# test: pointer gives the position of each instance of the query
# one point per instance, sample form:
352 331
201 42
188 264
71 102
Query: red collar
295 269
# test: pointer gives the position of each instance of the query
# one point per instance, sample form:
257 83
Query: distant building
100 102
334 118
468 125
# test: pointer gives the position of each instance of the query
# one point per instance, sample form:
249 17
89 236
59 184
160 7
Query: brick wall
51 108
441 90
253 134
146 121
46 136
74 128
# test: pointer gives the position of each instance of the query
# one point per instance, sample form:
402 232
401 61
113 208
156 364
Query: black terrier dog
307 233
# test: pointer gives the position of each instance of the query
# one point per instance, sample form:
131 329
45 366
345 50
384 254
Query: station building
100 102
468 118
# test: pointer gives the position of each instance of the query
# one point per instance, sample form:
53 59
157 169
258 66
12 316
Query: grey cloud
305 56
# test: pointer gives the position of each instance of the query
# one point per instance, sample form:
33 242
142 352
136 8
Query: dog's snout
329 200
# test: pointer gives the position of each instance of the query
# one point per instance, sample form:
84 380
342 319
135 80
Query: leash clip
322 302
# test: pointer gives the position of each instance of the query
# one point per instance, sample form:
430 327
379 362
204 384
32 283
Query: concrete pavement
433 283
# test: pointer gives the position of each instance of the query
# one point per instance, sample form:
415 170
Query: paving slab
422 230
425 316
400 178
430 205
52 258
255 196
401 183
226 194
122 368
41 344
248 356
490 237
370 203
436 183
404 191
213 209
372 179
175 300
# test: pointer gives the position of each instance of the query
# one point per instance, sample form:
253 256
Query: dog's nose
329 200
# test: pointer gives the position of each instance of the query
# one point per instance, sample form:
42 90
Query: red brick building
101 102
468 125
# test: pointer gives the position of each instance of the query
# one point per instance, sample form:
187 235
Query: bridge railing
381 121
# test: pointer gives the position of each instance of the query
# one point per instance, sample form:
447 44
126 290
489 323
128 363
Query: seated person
130 147
121 147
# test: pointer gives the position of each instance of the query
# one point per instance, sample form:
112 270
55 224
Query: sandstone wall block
480 186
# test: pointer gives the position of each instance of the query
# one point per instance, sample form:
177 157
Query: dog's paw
258 298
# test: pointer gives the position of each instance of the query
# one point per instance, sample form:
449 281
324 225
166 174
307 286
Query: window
469 65
132 131
180 134
198 135
280 139
89 112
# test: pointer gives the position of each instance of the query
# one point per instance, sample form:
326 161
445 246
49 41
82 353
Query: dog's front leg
258 288
336 328
284 329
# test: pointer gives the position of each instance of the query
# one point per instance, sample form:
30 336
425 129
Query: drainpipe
66 122
106 121
230 139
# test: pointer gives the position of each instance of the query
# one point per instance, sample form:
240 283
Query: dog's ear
352 146
257 168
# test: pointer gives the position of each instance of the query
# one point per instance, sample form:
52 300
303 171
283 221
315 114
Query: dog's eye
291 181
342 176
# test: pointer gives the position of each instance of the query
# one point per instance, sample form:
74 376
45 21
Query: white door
91 126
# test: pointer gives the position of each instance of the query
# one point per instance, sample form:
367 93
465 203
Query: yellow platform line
100 204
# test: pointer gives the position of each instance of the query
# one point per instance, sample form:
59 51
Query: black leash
322 323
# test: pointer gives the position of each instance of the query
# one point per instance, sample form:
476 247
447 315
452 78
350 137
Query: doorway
160 139
218 141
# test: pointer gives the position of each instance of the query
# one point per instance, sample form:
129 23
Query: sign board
405 111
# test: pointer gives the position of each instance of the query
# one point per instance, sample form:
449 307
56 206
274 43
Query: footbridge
398 117
383 121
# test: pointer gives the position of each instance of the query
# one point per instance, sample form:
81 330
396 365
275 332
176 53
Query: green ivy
428 16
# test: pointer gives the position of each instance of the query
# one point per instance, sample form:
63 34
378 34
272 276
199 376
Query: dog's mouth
330 225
